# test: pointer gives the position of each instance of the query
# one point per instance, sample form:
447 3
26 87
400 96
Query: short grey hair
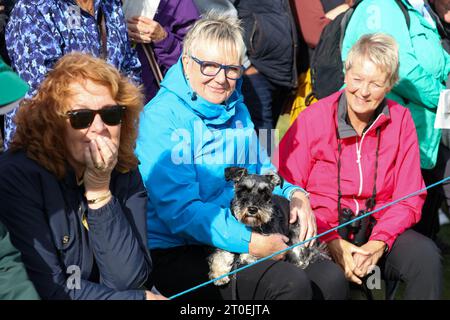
381 49
216 27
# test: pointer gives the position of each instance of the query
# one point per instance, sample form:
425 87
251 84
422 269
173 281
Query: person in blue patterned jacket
40 32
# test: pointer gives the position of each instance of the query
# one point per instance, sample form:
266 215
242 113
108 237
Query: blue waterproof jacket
184 145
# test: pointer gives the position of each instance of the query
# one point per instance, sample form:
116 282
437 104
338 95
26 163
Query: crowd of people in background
118 128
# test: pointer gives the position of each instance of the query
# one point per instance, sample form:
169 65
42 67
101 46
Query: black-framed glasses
211 69
83 118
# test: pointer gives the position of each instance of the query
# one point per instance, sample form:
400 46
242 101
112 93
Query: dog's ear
235 173
275 179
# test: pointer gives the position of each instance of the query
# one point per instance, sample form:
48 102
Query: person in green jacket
14 282
424 64
12 90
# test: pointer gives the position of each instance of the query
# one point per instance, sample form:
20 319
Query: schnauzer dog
255 205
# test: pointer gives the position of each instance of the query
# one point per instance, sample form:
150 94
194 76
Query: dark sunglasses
83 118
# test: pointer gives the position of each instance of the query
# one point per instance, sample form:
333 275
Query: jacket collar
212 114
346 130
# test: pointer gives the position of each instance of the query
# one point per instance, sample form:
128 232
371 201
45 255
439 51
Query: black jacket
63 259
271 38
8 4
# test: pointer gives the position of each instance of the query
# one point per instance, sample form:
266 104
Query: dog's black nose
252 210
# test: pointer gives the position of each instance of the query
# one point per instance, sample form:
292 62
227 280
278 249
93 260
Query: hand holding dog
301 209
343 253
261 245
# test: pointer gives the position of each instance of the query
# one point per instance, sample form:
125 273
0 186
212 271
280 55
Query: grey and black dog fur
255 205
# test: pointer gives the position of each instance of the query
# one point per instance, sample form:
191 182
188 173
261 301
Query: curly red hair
41 121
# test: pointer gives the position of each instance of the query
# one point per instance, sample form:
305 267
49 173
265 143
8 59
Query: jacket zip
358 161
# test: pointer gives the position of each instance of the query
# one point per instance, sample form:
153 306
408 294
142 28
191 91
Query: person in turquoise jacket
14 282
194 128
424 64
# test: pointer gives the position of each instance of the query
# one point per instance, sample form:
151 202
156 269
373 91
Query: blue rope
307 240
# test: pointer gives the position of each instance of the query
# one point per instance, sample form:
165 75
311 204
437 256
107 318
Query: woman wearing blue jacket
194 128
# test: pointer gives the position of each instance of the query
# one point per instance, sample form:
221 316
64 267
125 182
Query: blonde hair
41 121
381 49
218 28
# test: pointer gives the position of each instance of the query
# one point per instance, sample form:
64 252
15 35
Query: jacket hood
212 114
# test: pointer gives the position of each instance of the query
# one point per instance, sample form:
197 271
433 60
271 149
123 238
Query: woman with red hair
72 197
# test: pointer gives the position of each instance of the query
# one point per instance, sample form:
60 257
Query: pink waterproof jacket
308 156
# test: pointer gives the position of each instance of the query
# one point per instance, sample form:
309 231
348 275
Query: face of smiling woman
367 85
215 89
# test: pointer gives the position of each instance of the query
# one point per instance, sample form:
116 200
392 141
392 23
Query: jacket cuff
101 215
167 44
289 191
387 238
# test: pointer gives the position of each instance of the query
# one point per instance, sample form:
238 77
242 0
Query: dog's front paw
216 274
222 281
220 263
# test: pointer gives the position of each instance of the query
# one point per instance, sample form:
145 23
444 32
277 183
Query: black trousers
415 260
264 100
181 268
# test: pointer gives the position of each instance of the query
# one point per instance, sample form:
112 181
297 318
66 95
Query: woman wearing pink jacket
354 152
